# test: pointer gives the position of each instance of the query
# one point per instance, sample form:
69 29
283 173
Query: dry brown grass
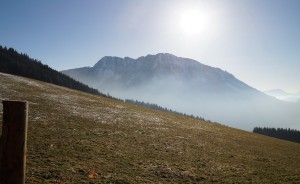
74 137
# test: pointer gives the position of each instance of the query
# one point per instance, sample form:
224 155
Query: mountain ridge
155 65
188 86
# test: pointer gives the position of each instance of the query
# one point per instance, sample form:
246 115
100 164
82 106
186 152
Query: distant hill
20 64
72 134
187 86
282 95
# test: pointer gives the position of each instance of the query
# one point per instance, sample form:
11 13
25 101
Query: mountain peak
159 55
165 55
111 60
158 60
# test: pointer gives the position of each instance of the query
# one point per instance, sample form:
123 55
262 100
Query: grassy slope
71 133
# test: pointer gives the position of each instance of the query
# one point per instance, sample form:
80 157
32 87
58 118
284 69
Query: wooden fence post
13 142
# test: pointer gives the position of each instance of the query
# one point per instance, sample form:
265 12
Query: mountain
282 95
188 86
72 134
162 69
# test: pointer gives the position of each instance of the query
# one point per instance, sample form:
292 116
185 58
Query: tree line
157 107
281 133
21 64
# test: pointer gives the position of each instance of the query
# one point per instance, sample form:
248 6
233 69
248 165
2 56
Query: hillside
72 133
20 64
188 86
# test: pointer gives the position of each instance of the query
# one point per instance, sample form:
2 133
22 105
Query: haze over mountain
187 86
283 95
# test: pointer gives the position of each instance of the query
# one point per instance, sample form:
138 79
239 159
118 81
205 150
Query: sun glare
193 22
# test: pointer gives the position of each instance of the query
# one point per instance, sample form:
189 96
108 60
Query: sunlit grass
73 134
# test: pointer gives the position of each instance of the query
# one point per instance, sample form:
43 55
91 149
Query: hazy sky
258 41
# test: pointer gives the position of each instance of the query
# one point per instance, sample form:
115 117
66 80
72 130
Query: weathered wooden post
13 142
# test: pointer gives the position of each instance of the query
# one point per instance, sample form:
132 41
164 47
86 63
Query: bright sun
193 22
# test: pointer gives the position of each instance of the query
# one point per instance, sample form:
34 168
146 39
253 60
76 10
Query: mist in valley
244 112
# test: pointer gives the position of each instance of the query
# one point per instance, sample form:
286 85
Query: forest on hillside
157 107
21 64
280 133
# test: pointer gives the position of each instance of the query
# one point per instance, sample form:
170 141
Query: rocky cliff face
127 73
